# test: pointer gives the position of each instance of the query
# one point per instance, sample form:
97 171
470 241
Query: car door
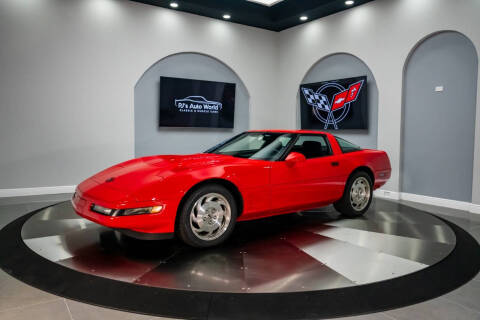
310 183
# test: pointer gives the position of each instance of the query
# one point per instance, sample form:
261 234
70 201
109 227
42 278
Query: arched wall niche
345 65
438 117
150 139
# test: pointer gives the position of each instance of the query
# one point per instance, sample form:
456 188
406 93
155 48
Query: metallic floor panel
313 250
358 264
433 232
420 250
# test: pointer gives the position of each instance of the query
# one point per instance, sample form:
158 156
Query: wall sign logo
197 104
331 111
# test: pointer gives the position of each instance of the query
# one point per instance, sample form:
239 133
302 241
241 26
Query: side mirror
294 158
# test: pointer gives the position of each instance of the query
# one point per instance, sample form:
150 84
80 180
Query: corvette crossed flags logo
341 99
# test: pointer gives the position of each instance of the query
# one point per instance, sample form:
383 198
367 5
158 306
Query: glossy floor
19 301
310 251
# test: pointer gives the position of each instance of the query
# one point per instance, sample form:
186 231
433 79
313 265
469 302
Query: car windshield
255 145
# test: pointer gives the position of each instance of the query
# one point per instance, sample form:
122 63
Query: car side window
346 146
312 146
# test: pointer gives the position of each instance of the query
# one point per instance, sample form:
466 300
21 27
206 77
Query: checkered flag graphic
316 99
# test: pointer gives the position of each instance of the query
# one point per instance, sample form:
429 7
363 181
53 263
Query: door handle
335 163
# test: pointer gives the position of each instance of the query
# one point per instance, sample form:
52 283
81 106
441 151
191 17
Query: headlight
125 212
135 211
99 209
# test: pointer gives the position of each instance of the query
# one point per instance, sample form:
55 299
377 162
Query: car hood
188 161
134 175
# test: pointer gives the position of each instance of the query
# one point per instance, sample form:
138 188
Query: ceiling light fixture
349 2
173 4
226 16
303 18
267 3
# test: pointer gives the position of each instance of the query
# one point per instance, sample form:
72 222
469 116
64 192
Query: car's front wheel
357 196
207 217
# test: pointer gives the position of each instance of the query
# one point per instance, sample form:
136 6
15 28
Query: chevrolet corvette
256 174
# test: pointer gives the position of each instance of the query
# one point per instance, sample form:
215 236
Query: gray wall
68 69
342 65
381 33
67 74
439 127
150 139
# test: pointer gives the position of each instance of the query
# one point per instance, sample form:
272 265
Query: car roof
292 131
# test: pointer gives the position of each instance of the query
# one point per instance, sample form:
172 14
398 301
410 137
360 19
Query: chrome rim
210 216
360 193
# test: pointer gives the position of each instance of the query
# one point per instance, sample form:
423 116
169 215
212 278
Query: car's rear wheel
357 196
207 217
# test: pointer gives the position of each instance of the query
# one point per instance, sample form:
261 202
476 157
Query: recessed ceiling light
226 16
173 4
349 2
268 3
304 18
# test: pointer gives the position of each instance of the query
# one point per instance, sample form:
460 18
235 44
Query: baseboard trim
22 192
440 202
475 208
386 194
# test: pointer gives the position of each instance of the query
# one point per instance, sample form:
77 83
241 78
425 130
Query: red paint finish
266 187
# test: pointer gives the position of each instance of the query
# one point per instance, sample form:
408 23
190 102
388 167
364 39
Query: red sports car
254 175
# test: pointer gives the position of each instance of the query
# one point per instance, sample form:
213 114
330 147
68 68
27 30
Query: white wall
68 70
381 33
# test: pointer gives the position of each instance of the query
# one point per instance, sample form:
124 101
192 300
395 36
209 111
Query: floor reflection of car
198 100
257 174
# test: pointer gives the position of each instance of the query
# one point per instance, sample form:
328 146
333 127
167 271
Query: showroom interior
81 89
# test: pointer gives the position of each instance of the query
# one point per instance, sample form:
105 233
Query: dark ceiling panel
279 17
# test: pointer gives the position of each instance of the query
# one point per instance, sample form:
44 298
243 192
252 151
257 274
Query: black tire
185 230
345 205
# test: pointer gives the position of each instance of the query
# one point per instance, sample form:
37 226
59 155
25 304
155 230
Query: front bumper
153 223
146 236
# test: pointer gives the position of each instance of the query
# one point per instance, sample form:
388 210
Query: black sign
335 104
196 103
